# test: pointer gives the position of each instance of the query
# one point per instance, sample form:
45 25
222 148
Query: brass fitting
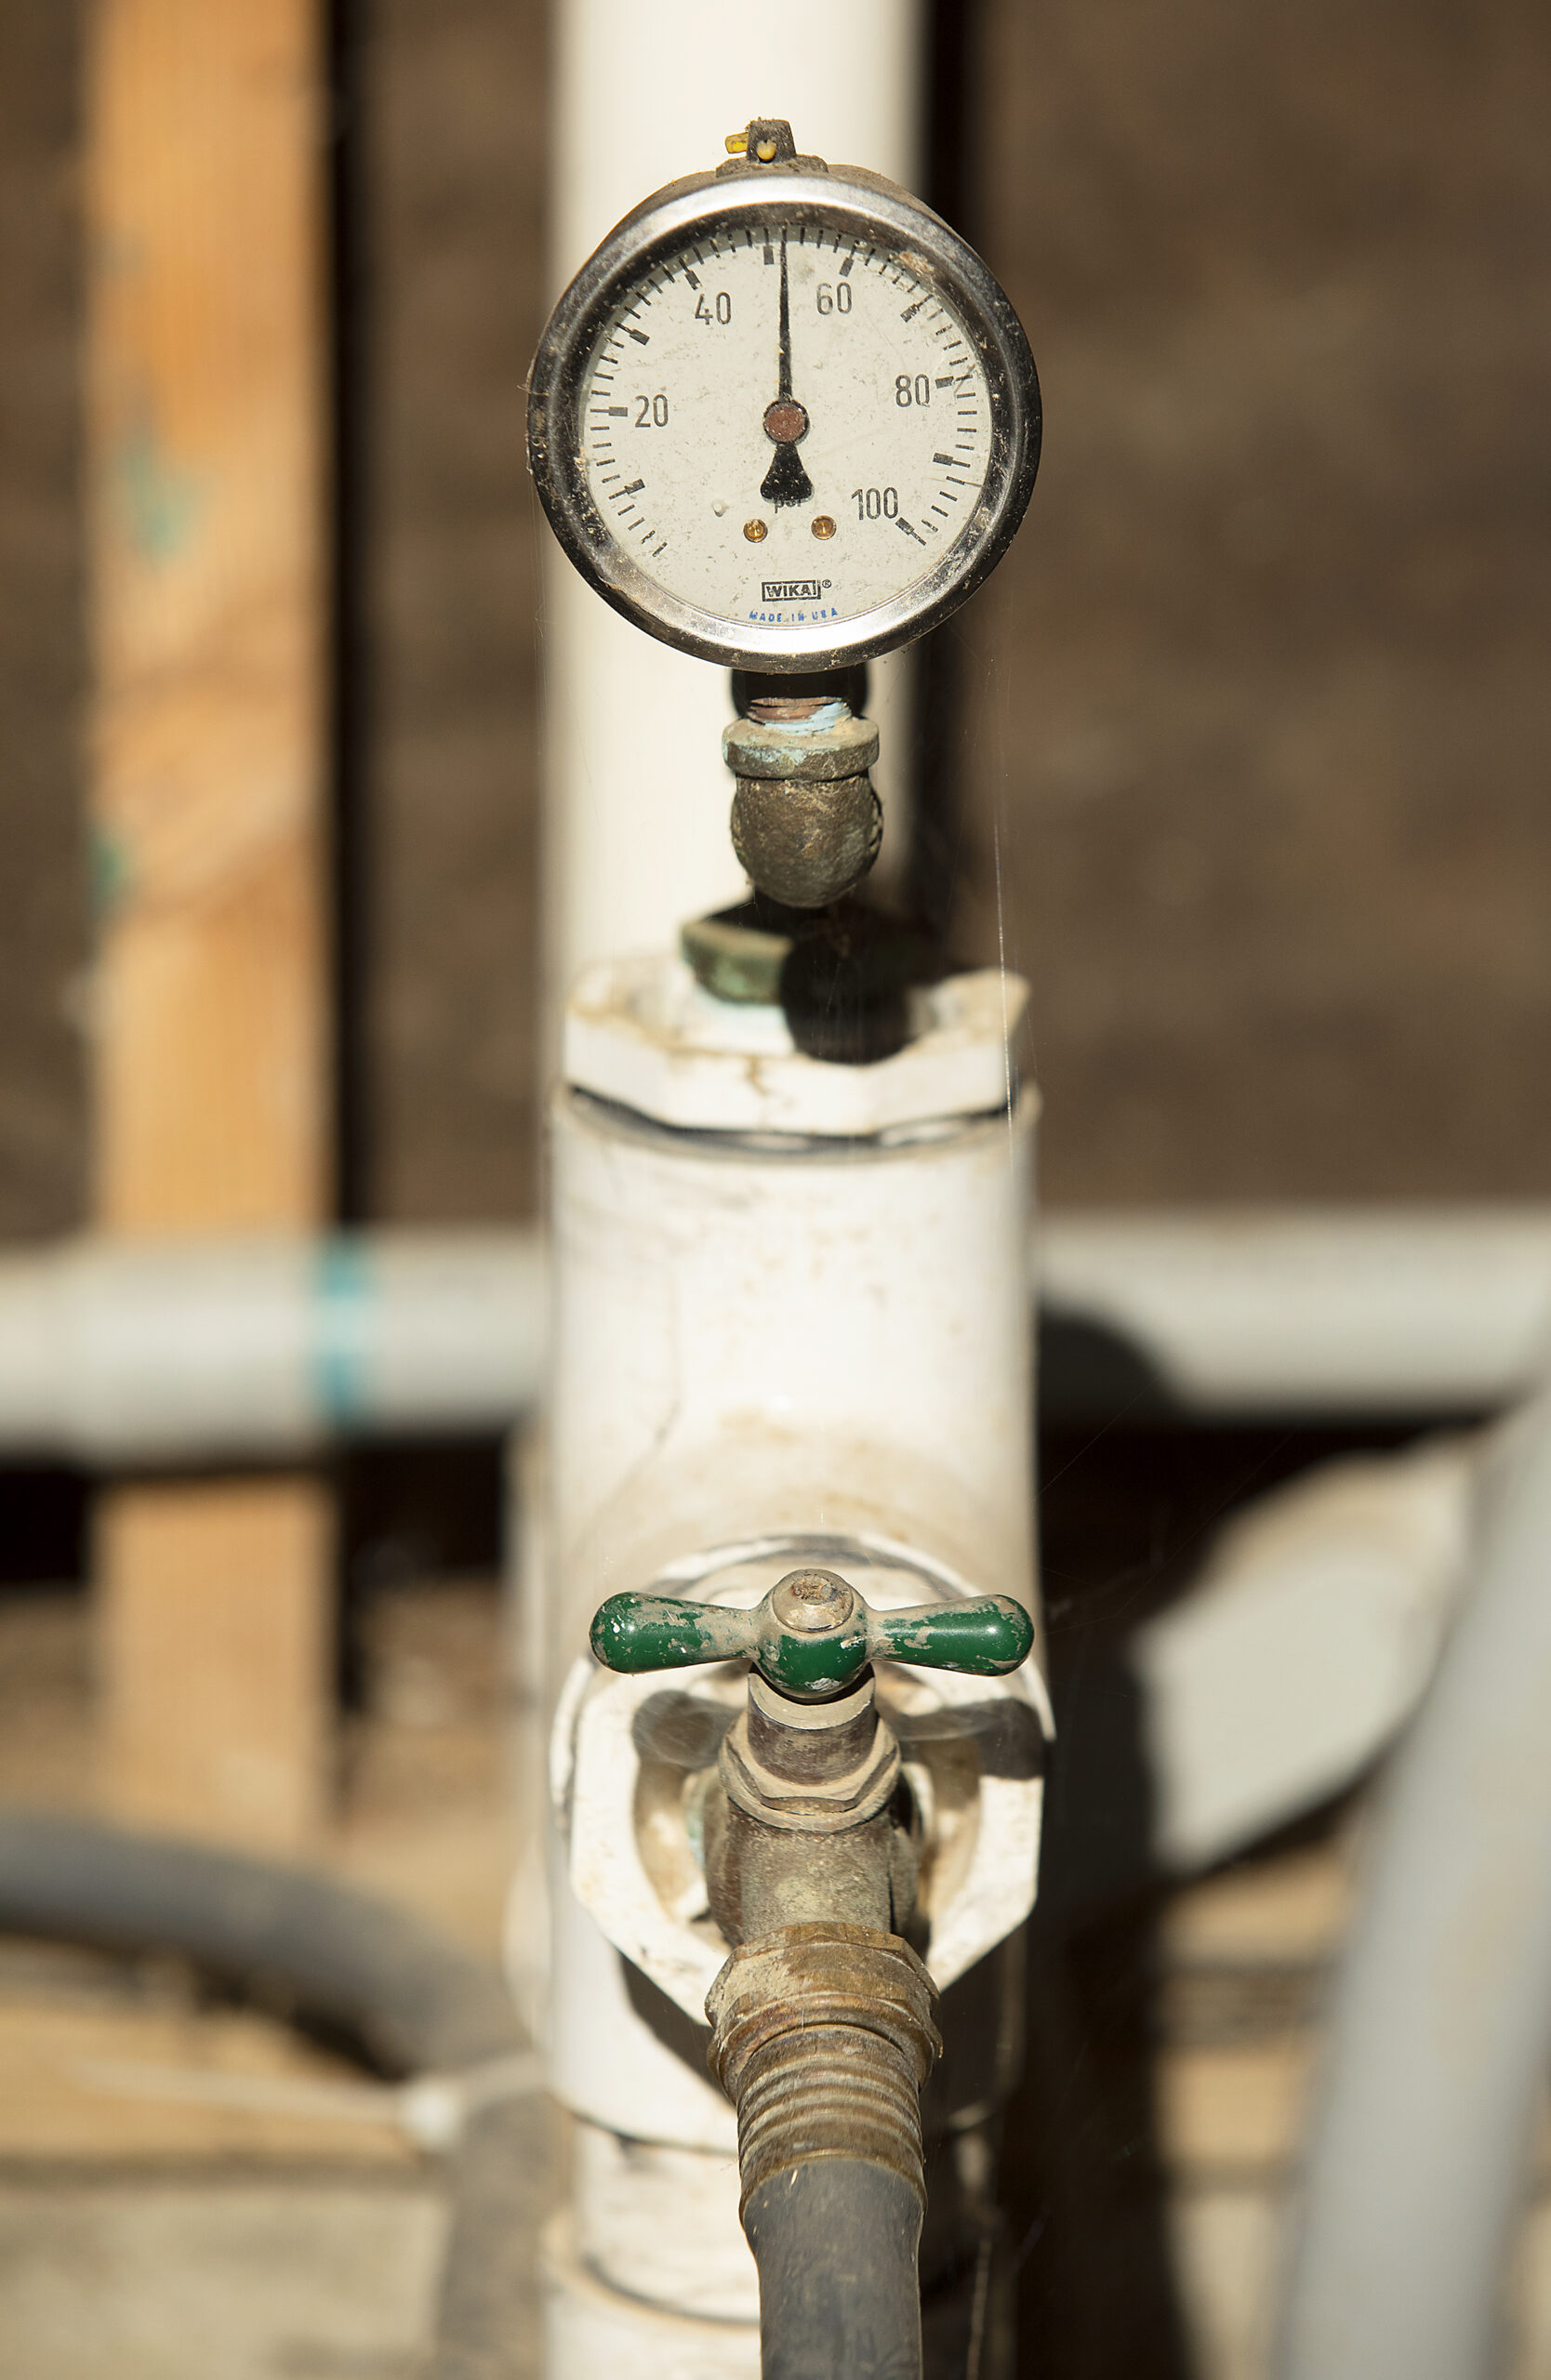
822 2036
806 822
809 1768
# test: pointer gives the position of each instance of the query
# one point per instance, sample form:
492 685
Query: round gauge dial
784 426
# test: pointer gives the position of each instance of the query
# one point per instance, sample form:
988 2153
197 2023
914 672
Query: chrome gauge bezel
867 208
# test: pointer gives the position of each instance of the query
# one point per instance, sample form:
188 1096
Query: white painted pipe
1313 1310
770 1349
636 794
116 1351
1304 1646
1435 2075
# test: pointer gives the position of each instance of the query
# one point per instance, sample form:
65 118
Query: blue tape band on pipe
345 1294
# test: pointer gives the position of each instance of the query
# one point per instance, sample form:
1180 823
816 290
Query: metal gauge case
784 417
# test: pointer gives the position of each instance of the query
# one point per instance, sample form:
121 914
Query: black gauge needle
785 420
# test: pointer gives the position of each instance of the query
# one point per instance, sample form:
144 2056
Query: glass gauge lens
789 433
783 481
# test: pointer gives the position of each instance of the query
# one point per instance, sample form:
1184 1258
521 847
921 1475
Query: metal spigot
824 2017
810 1824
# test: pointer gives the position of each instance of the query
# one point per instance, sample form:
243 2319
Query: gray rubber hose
412 1997
835 2244
1442 2027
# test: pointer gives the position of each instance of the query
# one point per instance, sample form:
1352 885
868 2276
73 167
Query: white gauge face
784 419
784 428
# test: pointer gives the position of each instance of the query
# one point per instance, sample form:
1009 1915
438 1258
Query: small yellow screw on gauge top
737 144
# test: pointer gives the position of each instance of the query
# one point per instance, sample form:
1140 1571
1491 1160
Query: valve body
770 1353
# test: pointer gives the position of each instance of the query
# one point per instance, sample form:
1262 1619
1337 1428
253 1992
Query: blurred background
1260 717
1247 773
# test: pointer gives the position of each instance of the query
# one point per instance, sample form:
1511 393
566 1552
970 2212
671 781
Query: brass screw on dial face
822 525
755 531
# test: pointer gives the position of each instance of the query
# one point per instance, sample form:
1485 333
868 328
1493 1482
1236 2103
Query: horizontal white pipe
1276 1678
145 1350
1317 1310
116 1351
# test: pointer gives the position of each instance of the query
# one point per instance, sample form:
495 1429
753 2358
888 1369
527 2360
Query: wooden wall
209 623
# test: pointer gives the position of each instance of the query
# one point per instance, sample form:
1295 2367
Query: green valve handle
812 1634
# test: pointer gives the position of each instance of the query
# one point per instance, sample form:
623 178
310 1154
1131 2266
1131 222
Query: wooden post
205 414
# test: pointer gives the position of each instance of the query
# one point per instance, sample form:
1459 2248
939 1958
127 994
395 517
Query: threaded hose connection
822 2036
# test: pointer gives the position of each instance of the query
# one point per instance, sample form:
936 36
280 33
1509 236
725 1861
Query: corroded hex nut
816 1795
821 1973
760 747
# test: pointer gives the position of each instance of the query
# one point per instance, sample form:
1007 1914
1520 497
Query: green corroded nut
986 1638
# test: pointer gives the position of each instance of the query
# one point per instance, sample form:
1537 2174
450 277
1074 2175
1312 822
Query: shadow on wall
1126 1512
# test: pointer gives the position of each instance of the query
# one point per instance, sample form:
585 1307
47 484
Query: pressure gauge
784 417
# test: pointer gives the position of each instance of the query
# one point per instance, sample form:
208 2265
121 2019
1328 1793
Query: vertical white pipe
637 800
636 793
